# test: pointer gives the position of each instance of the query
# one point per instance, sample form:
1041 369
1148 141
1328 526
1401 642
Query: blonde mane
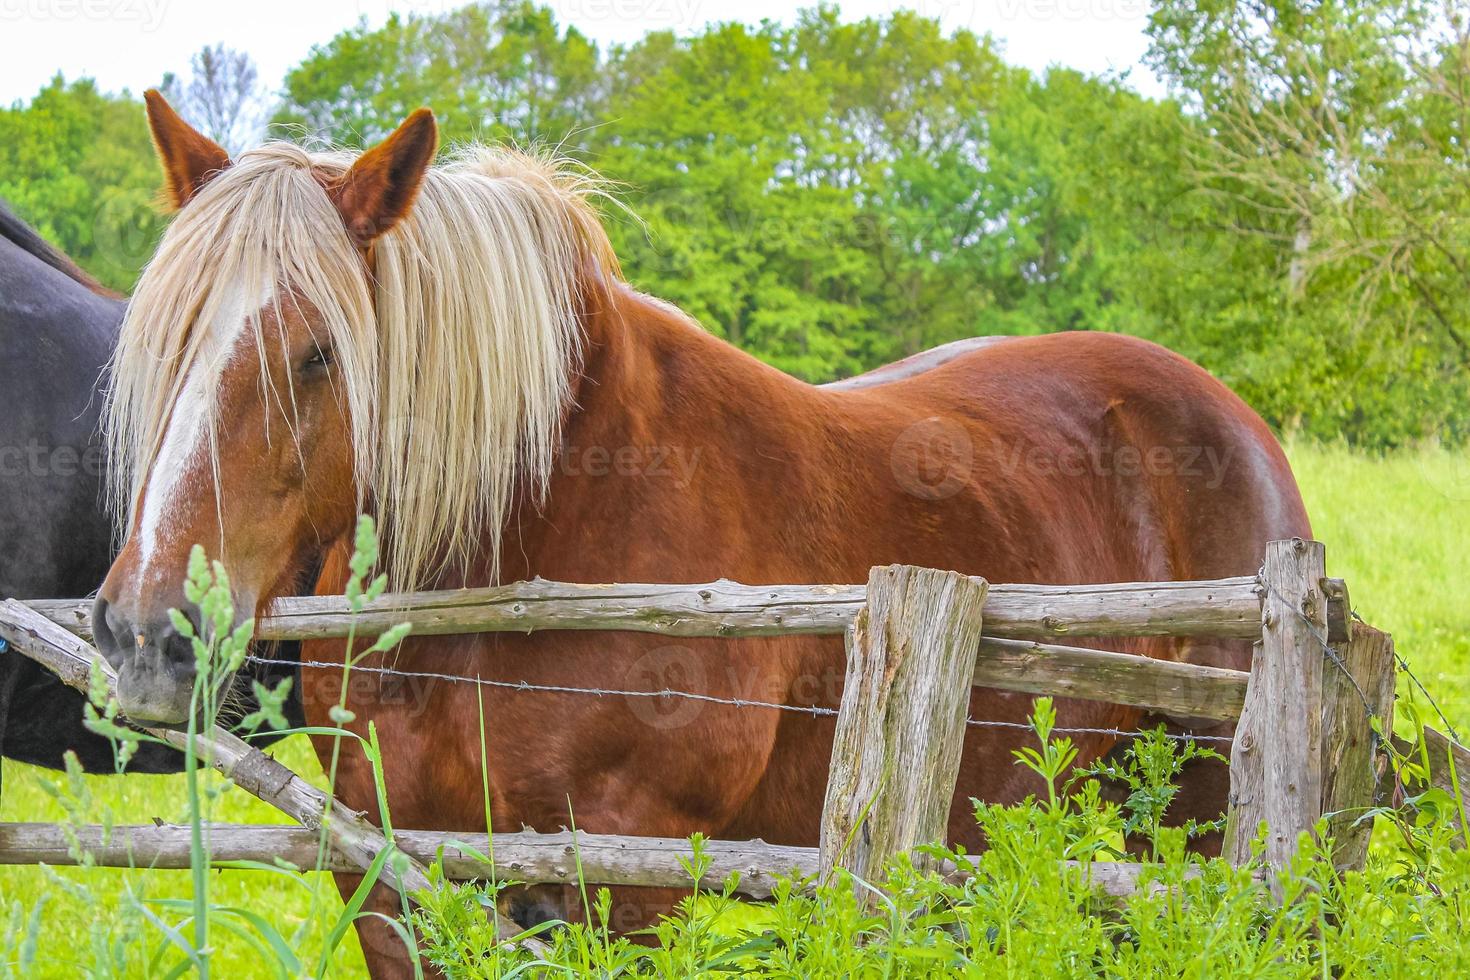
455 357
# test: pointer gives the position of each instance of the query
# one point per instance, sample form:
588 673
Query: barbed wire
1322 641
813 710
1378 740
1317 634
1414 679
1336 661
1449 727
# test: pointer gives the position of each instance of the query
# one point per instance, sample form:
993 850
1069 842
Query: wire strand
812 710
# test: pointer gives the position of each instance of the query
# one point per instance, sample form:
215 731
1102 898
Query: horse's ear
190 159
377 191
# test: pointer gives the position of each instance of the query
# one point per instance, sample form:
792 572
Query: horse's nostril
155 665
106 629
529 906
177 649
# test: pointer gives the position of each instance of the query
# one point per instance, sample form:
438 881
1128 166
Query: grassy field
1396 529
96 903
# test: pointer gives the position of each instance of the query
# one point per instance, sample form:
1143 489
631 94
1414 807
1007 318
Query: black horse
58 327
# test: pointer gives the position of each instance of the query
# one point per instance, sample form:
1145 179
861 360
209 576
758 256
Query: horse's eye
318 361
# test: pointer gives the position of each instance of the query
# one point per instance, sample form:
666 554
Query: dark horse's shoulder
56 334
1063 354
916 364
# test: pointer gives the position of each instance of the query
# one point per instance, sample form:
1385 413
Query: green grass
1396 529
140 799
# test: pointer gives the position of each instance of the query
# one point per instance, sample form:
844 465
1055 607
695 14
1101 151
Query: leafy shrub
1031 903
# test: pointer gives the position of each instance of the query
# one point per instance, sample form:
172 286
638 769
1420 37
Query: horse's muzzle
154 664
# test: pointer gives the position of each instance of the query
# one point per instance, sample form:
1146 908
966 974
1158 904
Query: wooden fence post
1358 684
1276 762
896 751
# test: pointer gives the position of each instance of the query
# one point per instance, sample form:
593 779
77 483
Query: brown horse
453 348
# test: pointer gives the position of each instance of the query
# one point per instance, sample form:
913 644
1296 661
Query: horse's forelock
263 222
455 362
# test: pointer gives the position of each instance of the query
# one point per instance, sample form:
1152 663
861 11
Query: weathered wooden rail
1018 621
1228 607
524 857
1305 746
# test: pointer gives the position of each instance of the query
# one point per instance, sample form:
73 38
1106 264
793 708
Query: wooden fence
1305 745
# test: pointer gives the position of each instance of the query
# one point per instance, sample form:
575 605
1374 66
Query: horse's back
1060 458
1155 468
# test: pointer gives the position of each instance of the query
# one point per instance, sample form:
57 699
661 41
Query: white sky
131 43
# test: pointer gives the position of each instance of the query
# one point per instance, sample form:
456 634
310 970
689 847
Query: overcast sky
131 43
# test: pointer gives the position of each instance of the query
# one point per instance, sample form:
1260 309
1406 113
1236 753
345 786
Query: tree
490 70
1335 134
223 97
79 165
832 195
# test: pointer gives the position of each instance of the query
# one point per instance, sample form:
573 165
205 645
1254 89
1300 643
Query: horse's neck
663 414
652 372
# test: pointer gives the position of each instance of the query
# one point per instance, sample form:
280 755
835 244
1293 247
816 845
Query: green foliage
90 919
1331 139
1148 769
834 195
1032 905
1055 757
511 71
79 165
136 935
1395 522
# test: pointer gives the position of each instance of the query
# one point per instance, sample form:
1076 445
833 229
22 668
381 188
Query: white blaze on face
186 443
